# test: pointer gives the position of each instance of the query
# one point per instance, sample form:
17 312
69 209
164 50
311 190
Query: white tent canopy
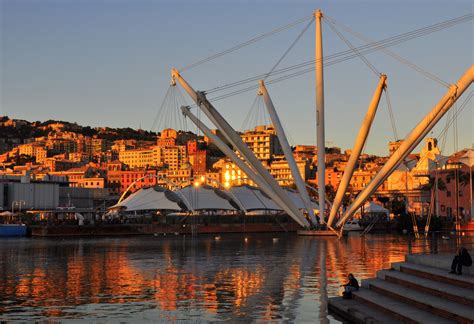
296 198
253 199
207 197
371 207
468 158
150 198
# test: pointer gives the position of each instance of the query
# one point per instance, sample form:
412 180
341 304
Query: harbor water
207 278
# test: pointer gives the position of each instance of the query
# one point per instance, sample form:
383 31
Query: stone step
432 304
397 309
436 274
434 288
441 261
355 311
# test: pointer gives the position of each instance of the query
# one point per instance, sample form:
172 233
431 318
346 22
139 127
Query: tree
430 184
463 178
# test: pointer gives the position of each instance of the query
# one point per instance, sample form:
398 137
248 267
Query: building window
443 207
448 193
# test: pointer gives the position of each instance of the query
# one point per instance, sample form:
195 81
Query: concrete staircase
419 290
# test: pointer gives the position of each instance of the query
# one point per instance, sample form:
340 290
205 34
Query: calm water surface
269 277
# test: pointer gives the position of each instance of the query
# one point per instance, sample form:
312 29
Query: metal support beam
320 115
234 157
234 138
287 150
412 140
358 146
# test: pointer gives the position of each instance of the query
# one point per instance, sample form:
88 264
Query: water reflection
184 278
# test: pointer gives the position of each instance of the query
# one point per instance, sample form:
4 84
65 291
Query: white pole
470 190
236 141
413 139
436 190
241 164
320 114
287 151
358 146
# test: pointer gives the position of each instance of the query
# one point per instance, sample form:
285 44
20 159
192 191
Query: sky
108 62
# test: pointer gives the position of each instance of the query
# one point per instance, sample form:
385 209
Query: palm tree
431 184
463 178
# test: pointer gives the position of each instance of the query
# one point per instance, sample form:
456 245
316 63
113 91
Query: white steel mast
287 151
320 115
232 136
358 146
412 140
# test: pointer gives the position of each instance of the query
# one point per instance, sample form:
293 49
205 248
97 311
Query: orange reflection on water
178 277
241 283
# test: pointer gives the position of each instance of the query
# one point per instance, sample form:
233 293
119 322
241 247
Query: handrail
440 241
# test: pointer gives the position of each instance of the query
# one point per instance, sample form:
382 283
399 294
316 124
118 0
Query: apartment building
281 171
141 158
263 142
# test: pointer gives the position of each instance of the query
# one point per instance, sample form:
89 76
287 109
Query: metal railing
440 242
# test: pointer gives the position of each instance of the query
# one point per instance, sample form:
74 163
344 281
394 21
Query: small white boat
353 225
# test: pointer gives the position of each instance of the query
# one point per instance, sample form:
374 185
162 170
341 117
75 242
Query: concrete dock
419 290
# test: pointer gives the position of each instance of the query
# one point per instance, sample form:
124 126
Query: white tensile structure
371 207
150 198
204 197
284 199
295 196
254 199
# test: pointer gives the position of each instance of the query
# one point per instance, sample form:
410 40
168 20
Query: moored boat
13 230
352 226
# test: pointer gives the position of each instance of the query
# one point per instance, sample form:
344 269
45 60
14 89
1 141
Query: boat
352 226
7 230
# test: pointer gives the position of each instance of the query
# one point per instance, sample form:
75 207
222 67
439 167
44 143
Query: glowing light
196 183
227 184
203 179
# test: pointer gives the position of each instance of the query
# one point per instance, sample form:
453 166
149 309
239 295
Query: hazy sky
107 63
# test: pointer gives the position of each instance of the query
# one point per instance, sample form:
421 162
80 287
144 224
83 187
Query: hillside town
91 168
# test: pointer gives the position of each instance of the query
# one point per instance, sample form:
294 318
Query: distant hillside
22 129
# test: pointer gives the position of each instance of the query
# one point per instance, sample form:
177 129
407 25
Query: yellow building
418 175
141 158
35 149
173 157
263 142
280 170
